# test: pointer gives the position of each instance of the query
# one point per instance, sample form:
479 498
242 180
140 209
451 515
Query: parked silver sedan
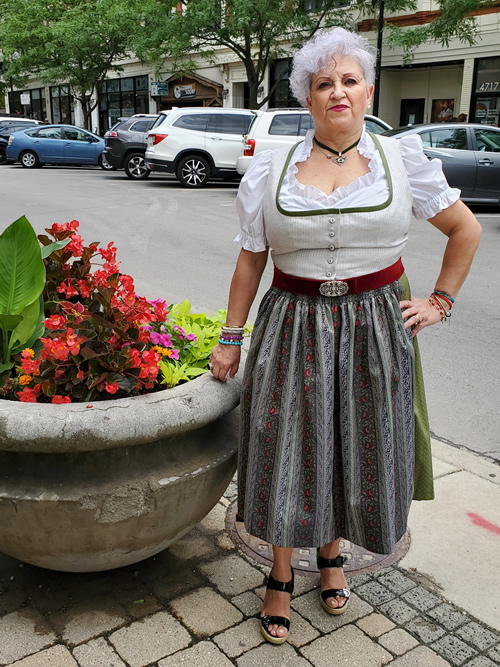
470 154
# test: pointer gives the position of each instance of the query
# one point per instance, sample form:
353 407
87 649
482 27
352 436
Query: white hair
320 50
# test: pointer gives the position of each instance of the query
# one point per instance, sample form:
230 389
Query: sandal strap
338 561
334 592
283 586
275 620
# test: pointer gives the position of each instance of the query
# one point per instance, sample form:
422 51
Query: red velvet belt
311 287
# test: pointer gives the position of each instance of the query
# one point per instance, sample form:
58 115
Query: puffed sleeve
431 192
249 204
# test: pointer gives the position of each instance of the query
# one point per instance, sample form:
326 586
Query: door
412 112
48 144
487 155
79 146
224 137
454 148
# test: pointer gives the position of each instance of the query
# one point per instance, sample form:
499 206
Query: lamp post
376 95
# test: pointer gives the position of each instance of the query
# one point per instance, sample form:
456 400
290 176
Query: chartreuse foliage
22 279
196 335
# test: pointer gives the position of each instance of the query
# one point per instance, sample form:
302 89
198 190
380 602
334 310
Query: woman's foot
277 603
333 578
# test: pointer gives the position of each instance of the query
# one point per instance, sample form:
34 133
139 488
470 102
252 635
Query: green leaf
52 247
24 330
10 322
22 272
193 371
6 367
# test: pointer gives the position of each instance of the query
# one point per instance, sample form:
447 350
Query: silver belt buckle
334 288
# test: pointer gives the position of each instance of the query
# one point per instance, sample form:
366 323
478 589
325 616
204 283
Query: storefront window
123 97
28 103
485 107
62 105
282 96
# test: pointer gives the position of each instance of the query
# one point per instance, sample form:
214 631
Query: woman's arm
244 285
458 223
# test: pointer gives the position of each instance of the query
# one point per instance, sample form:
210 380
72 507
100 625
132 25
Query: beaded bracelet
230 342
435 303
443 294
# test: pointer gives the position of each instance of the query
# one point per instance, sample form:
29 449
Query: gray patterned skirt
327 421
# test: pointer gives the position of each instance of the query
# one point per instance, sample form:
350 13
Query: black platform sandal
333 592
266 621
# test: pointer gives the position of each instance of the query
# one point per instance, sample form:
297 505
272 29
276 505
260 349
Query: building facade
440 83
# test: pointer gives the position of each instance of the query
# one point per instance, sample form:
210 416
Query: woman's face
339 97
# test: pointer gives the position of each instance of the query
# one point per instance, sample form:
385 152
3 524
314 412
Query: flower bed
92 336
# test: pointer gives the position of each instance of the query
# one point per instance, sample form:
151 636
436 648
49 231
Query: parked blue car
54 144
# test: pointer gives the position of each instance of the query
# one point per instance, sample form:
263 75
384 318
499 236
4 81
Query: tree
73 42
257 31
260 31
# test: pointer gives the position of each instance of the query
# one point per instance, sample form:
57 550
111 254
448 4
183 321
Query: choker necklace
340 159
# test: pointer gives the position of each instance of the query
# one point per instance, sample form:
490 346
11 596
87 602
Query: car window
49 133
229 123
74 134
488 140
20 126
285 124
445 138
306 123
373 126
193 121
142 125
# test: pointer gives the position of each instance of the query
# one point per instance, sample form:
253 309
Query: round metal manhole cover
304 560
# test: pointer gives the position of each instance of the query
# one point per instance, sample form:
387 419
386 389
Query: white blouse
431 192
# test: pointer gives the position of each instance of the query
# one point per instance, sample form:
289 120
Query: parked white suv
276 128
199 143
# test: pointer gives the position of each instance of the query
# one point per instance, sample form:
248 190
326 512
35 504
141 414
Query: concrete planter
95 488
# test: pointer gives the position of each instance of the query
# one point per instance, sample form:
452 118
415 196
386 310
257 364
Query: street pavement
197 603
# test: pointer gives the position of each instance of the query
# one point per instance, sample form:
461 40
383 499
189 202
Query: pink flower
112 388
191 336
161 339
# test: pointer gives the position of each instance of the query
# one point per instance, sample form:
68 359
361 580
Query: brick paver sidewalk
196 604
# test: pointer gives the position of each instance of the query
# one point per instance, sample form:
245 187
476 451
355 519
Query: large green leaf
10 322
24 330
22 272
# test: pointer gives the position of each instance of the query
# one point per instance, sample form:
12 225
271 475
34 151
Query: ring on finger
419 319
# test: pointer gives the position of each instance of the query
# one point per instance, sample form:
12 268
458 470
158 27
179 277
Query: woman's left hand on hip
418 314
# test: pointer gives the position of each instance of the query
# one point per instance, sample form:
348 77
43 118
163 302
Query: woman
332 379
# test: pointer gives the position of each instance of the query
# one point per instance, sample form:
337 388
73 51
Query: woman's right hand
225 359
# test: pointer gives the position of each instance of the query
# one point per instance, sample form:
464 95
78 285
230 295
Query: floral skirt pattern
327 421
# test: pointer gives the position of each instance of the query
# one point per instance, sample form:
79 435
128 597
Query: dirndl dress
327 431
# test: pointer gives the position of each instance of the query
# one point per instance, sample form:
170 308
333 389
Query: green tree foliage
75 42
260 31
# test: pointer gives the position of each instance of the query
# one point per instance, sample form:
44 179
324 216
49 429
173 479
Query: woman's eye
323 84
350 81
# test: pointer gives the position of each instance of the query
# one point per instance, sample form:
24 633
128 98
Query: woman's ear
369 94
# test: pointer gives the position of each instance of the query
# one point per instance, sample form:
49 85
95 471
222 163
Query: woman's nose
337 91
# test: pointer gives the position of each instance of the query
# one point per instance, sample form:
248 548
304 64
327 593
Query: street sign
159 88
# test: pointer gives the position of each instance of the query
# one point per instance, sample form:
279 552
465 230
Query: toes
281 631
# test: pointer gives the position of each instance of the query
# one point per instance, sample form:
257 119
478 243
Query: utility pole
376 95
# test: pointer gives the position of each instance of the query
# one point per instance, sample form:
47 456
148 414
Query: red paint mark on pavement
479 521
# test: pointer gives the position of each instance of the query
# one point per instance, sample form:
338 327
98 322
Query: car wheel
193 172
3 155
135 167
104 164
29 159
